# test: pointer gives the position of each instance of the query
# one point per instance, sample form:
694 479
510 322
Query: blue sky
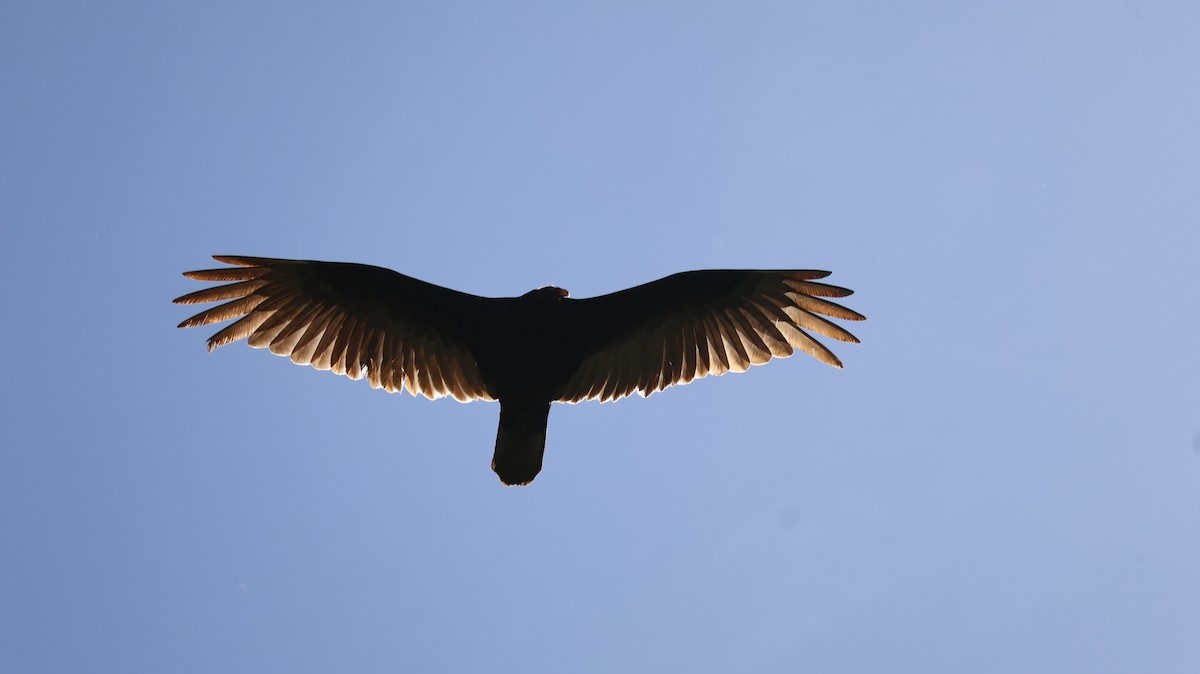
1005 477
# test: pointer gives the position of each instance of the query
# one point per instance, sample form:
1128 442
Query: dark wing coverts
352 319
694 324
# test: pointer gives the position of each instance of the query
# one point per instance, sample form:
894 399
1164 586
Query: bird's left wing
698 323
352 319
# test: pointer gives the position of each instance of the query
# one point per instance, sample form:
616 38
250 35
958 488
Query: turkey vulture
525 352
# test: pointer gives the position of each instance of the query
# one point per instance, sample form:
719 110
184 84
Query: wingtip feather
242 260
808 274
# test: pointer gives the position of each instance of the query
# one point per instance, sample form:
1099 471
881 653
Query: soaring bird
524 352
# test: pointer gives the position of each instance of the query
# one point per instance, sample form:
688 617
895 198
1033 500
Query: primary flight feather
525 352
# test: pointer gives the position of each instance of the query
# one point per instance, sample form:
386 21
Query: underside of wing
701 323
355 320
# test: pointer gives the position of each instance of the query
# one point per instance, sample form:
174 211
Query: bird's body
525 352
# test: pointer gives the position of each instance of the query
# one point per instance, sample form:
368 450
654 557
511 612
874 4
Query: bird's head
547 294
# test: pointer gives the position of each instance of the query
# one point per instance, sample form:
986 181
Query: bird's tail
520 441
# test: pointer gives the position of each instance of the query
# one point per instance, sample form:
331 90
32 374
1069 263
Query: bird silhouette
525 352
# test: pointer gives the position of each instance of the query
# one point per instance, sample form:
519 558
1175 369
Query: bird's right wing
698 323
352 319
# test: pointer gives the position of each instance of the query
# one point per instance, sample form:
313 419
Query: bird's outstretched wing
351 319
698 323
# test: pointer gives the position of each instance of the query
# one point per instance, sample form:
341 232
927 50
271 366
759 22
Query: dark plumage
525 352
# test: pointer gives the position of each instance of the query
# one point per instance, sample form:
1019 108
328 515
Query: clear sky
1005 477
